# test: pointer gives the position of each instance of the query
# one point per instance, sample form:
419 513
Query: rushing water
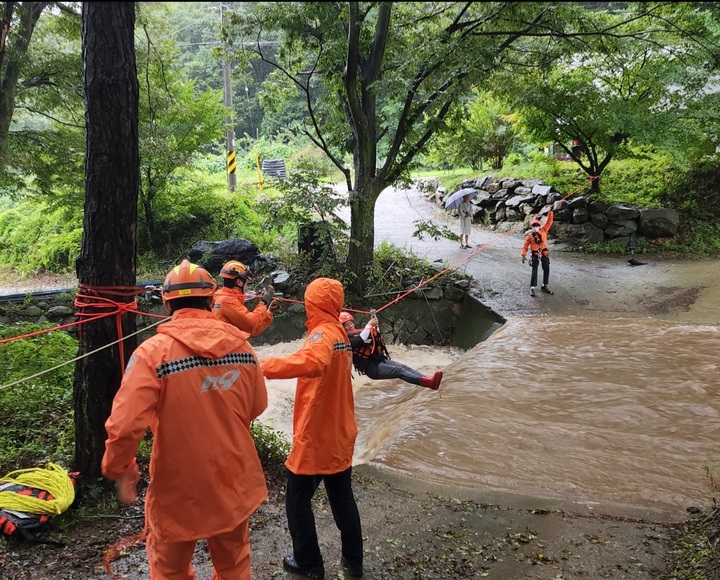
593 411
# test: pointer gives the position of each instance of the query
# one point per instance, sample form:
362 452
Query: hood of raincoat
202 333
324 299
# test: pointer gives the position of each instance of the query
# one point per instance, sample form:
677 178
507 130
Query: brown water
592 411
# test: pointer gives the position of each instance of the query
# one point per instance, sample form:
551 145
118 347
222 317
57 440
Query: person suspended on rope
230 306
197 385
371 357
536 243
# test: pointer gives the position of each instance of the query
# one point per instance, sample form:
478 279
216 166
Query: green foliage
45 143
38 237
272 446
302 209
394 270
36 414
486 131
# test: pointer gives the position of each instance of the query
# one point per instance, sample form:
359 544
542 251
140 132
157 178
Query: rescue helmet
187 280
536 222
234 269
345 317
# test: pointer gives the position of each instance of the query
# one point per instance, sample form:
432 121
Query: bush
36 414
37 236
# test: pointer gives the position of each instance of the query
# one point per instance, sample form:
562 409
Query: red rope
91 297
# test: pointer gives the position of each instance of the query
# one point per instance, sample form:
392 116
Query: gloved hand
126 486
274 305
524 259
268 295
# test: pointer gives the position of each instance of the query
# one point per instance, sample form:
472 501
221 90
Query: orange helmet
187 280
536 222
345 317
235 269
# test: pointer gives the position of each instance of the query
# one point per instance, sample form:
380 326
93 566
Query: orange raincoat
537 242
197 385
230 307
324 428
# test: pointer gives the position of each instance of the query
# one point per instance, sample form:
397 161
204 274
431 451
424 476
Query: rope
119 547
77 358
465 258
53 479
87 294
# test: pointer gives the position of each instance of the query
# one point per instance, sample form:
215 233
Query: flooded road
597 412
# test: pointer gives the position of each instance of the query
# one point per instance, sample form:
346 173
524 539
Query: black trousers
534 262
301 520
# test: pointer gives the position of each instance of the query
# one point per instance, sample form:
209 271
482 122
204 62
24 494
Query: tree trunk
362 232
14 43
112 178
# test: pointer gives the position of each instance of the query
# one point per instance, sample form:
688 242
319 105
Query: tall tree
107 263
609 90
380 78
16 30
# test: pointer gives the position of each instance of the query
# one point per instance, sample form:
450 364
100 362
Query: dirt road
666 288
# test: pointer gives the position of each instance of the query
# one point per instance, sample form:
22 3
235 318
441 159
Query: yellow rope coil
53 479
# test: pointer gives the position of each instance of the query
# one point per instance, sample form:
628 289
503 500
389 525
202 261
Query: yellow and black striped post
231 166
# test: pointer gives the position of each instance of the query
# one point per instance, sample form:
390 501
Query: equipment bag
30 498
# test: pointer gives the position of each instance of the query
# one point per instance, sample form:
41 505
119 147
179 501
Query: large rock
579 233
212 255
658 223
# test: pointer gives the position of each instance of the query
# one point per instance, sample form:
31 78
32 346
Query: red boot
432 382
437 377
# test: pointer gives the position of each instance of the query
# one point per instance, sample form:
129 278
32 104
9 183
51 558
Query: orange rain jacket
230 307
197 384
324 428
535 245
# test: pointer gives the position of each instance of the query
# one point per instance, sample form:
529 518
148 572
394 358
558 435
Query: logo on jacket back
315 337
221 383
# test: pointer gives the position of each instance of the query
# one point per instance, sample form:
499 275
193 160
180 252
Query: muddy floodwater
597 412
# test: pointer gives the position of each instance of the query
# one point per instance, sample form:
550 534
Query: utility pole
230 128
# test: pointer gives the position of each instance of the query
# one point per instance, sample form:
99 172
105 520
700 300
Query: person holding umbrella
460 200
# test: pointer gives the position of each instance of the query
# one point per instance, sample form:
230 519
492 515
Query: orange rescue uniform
324 428
197 384
230 307
536 242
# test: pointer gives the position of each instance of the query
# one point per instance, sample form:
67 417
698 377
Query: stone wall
508 203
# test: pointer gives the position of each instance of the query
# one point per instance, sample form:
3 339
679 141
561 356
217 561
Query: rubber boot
432 382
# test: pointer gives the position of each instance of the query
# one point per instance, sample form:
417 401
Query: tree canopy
379 80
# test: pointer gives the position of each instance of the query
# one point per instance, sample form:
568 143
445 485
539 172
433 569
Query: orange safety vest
366 352
536 242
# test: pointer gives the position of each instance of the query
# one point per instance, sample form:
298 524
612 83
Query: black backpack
29 526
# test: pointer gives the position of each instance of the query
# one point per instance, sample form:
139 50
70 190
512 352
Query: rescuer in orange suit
230 301
324 432
197 384
536 242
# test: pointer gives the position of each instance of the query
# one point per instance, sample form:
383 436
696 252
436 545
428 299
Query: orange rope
112 552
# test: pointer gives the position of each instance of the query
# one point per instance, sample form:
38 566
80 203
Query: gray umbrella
453 200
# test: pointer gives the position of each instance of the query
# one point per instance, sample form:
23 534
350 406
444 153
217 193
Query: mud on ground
409 534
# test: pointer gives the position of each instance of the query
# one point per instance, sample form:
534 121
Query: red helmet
345 317
187 280
536 222
235 269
